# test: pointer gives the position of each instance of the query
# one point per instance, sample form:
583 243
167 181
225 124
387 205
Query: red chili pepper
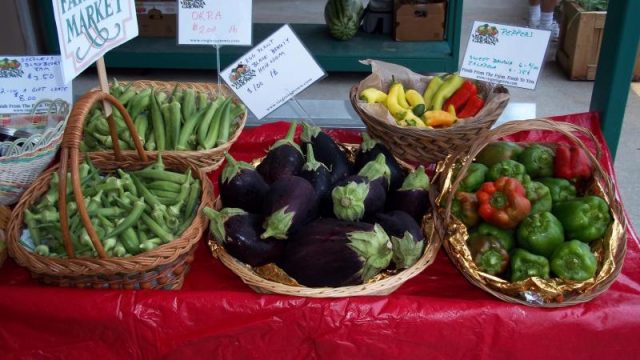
571 163
471 108
461 96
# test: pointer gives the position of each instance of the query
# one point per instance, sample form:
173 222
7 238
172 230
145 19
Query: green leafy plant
594 5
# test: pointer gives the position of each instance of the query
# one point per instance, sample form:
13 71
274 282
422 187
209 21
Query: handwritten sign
214 22
505 55
272 72
28 79
88 29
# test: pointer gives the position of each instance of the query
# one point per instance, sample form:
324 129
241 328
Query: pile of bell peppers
525 215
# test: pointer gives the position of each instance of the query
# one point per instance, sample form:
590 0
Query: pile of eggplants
326 221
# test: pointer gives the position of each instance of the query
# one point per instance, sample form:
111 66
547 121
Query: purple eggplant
330 252
283 159
290 203
241 186
406 236
377 171
413 196
369 151
319 176
356 198
327 152
239 233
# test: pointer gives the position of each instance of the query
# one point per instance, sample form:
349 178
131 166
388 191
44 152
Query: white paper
273 72
214 22
507 55
25 80
88 29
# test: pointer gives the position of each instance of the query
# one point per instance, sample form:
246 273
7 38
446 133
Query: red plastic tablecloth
437 314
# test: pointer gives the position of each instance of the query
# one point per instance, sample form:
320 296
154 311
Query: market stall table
215 315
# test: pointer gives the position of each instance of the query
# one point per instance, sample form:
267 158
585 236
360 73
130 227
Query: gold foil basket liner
554 292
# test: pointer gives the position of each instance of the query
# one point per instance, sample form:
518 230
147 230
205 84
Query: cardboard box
419 21
157 18
580 42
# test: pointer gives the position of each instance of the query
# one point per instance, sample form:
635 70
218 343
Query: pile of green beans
183 120
132 212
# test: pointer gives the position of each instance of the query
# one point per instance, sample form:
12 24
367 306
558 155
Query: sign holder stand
104 86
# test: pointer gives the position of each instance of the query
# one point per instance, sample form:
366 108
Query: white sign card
88 29
25 80
507 55
214 22
272 72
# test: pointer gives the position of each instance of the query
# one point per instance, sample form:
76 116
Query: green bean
205 123
158 124
132 218
214 127
188 103
225 125
156 229
174 123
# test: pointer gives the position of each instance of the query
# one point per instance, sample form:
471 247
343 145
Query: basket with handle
555 292
163 267
423 145
200 158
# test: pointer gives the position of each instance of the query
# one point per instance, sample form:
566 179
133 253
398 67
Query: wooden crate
580 42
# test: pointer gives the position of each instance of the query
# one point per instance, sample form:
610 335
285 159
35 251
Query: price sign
88 29
214 22
25 80
273 72
507 55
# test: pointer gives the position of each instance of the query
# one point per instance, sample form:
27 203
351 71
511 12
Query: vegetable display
528 212
444 101
183 120
132 212
324 225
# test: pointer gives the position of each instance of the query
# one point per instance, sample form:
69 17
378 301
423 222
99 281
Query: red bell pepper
473 106
503 203
459 98
571 163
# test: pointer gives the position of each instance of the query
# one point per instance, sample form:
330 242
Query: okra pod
161 97
156 229
32 226
188 129
142 123
225 125
214 127
165 109
126 96
146 194
175 123
119 250
203 100
132 218
193 198
140 102
165 186
165 194
158 124
130 241
188 103
206 120
161 175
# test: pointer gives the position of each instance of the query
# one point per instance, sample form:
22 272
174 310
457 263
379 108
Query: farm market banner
87 29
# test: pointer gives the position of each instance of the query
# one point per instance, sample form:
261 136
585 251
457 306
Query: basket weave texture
613 245
161 268
419 144
204 159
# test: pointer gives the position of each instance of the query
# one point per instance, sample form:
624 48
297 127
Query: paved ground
555 95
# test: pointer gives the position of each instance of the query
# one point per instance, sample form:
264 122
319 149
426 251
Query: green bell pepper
508 168
538 160
504 237
474 178
498 151
585 219
540 197
540 233
573 260
561 189
525 265
488 254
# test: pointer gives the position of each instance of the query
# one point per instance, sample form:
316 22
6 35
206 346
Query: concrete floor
554 95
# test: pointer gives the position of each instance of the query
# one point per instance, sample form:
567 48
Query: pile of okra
182 120
132 212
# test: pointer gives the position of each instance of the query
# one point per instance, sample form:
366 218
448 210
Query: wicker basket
382 284
204 159
423 145
161 268
535 291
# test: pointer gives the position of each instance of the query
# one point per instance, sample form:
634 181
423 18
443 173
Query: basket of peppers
425 118
533 223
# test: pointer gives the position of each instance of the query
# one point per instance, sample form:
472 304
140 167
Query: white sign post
272 72
504 54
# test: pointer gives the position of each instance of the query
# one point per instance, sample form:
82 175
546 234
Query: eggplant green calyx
374 247
288 139
309 132
348 201
376 169
312 164
217 220
277 225
367 143
406 251
417 180
233 167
